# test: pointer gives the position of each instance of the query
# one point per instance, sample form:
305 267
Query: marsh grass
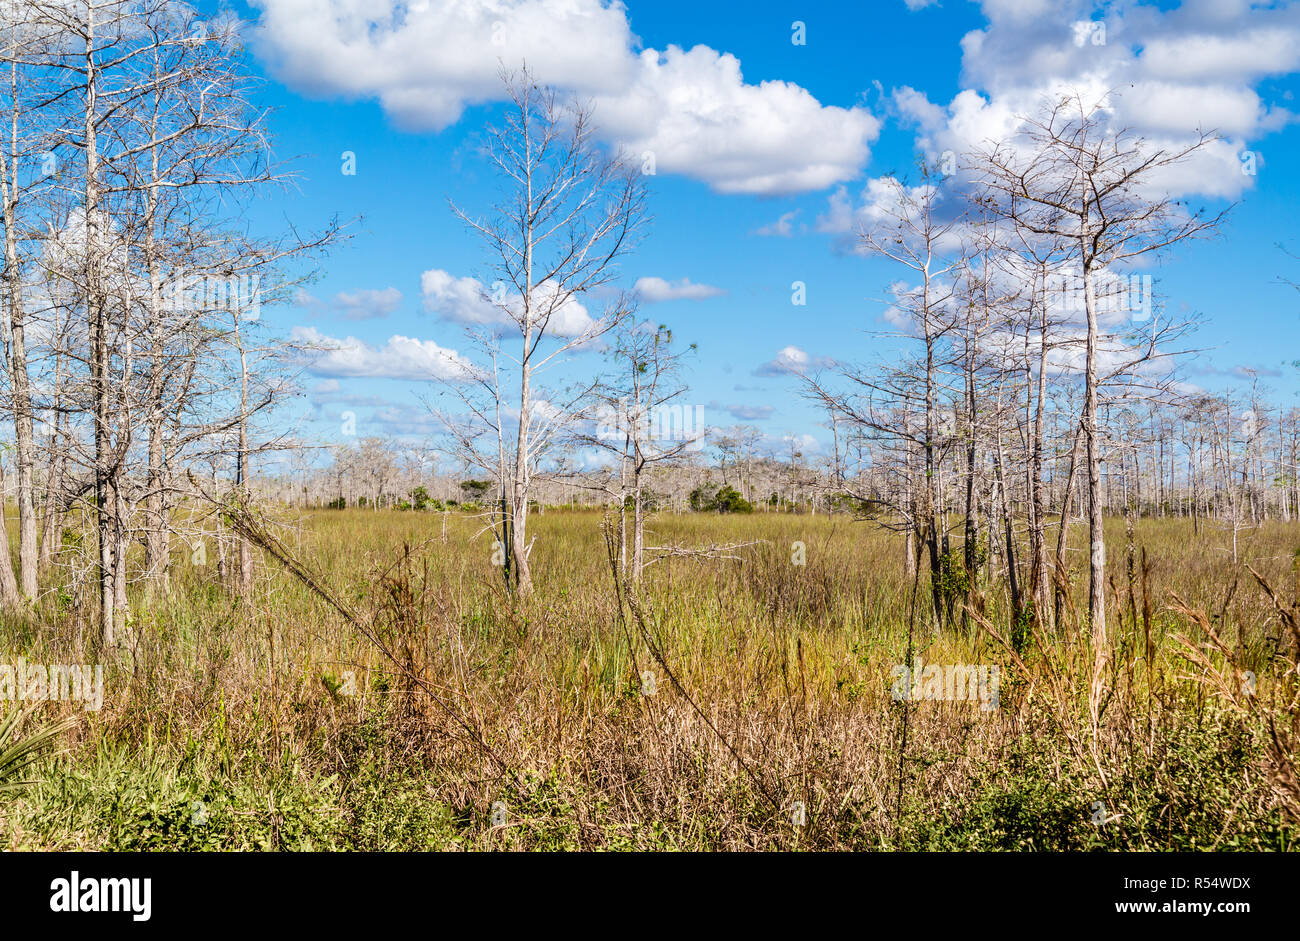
779 693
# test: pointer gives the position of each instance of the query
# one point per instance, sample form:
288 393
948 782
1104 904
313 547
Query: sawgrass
737 703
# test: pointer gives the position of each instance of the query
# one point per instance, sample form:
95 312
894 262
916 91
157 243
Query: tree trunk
105 478
1096 536
9 595
20 386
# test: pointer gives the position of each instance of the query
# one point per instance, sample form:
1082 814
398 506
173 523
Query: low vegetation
403 701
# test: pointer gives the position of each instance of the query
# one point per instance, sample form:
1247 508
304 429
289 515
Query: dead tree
1068 176
570 214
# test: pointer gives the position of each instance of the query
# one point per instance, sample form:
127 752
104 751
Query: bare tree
1069 177
909 405
142 270
570 214
641 421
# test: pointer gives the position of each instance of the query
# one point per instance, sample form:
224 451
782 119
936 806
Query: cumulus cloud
399 358
654 290
1246 53
792 361
692 109
695 113
426 61
1165 74
459 299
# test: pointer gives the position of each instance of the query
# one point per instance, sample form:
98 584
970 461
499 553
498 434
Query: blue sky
407 88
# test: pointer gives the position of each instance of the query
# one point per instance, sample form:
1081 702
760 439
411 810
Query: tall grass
696 711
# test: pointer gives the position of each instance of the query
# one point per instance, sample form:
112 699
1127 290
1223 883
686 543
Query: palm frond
18 752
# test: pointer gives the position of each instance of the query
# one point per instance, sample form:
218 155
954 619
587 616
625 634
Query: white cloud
805 444
399 358
883 201
1250 53
427 61
406 421
751 412
695 113
887 210
783 227
1185 108
792 361
467 300
459 299
368 304
654 290
331 392
1163 74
